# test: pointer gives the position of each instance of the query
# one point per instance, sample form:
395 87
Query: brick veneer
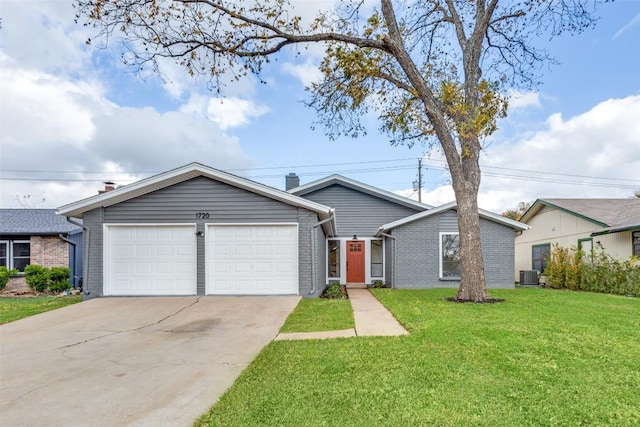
49 251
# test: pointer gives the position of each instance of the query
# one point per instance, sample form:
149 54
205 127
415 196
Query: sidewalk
371 317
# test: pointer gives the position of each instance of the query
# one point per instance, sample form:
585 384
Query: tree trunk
466 183
472 280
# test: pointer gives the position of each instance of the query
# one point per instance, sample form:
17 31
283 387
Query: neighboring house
610 224
39 236
196 230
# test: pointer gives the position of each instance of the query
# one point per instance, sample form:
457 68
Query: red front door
355 261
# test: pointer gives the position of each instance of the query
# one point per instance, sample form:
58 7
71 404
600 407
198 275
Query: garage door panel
150 260
242 250
252 259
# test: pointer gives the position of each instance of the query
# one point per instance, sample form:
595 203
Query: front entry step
356 286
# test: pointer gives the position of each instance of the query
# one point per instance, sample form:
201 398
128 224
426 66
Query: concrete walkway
371 317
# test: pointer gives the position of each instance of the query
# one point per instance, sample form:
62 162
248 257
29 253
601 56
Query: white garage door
252 259
150 260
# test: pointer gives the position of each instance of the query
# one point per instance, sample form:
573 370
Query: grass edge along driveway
542 357
12 309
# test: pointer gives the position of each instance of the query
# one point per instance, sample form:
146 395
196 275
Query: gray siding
417 252
179 204
312 256
92 263
356 212
389 256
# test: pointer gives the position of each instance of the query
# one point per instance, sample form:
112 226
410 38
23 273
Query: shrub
564 268
335 290
5 273
378 284
42 279
37 277
595 272
59 279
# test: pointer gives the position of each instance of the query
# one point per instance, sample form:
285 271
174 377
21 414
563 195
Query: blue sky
72 116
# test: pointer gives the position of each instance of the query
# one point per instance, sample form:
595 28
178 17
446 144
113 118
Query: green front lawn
320 314
16 308
540 358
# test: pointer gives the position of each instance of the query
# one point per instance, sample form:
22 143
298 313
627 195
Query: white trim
440 234
367 259
9 252
208 250
184 173
453 205
339 277
106 252
357 185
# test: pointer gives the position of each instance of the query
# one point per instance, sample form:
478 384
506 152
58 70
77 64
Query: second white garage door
252 259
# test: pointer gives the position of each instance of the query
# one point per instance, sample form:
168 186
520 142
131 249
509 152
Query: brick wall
49 251
417 252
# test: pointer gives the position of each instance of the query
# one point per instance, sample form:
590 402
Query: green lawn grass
541 358
320 314
17 308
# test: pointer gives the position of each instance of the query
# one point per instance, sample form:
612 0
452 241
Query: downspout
64 239
314 233
85 254
393 254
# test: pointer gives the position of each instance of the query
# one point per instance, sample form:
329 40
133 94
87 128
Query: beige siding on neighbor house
618 245
551 226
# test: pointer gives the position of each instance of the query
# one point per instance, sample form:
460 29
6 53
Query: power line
521 175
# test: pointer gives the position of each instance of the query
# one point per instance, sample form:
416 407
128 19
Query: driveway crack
134 329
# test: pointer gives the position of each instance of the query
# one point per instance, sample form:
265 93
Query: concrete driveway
131 361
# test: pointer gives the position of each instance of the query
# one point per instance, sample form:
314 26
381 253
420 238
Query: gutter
393 254
314 238
85 255
64 239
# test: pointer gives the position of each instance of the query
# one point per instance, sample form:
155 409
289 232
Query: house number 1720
202 215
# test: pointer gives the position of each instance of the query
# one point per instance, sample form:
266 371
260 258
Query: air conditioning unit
529 277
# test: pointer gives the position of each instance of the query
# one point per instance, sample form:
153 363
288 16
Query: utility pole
420 180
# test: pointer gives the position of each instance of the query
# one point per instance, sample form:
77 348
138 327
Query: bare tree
435 71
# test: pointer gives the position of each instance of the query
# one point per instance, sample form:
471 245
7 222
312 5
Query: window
333 258
376 258
539 256
586 246
449 256
4 254
635 237
15 254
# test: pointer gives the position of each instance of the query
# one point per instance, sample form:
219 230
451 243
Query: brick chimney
291 181
108 186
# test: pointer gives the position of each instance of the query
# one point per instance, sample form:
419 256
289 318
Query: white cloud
51 123
307 73
43 35
594 154
518 99
226 112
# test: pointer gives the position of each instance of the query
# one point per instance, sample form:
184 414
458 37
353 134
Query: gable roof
612 215
34 222
336 179
185 173
516 225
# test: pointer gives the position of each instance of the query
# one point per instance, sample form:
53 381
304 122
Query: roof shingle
34 222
